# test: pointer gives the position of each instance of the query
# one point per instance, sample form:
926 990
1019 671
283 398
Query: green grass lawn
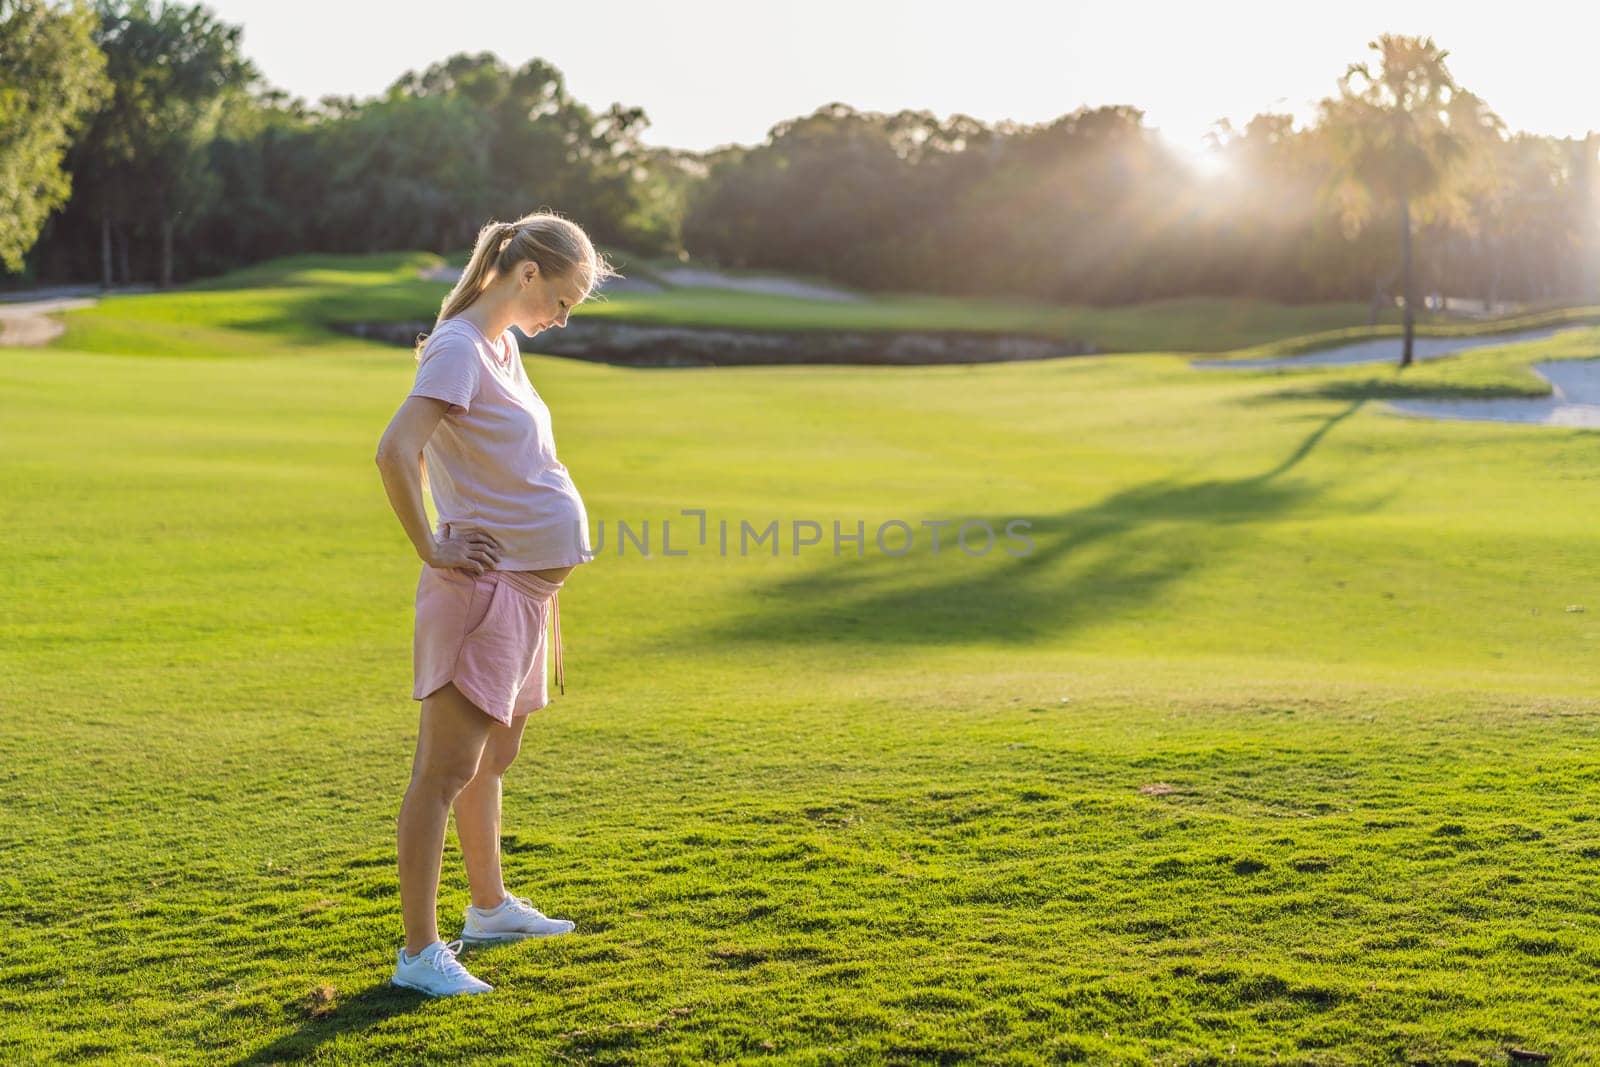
1280 747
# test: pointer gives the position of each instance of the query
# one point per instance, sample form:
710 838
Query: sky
714 72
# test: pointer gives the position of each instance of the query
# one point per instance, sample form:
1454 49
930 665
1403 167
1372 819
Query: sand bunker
694 278
1575 400
700 278
1575 383
446 273
1386 350
28 322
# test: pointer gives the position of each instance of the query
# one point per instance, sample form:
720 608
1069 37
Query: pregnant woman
512 527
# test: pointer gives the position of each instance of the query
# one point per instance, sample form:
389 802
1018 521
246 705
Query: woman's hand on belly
466 549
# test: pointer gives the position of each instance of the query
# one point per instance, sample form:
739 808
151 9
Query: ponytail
559 246
491 239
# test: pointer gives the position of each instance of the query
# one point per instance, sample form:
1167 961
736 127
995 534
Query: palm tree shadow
1380 389
1117 553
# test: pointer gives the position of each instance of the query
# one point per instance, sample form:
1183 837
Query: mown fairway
809 808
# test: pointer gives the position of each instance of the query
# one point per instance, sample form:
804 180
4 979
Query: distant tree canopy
194 166
423 165
141 168
1094 208
51 77
194 147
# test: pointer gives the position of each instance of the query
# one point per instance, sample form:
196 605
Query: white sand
445 273
696 278
28 322
1385 349
442 273
701 278
1575 400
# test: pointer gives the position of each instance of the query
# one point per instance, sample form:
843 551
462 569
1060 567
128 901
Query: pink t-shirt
492 461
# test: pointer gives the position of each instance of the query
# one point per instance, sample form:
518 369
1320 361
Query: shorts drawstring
534 586
555 625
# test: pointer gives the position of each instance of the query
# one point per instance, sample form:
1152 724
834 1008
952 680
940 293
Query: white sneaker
436 972
515 919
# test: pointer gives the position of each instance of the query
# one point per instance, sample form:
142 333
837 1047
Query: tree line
137 143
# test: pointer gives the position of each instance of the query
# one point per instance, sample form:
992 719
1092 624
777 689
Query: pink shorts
487 634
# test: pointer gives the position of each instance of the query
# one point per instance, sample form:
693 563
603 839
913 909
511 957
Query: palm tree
1400 134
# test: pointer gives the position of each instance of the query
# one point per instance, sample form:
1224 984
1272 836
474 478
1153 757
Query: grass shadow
371 1007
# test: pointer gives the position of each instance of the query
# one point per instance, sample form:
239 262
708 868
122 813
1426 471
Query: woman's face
544 301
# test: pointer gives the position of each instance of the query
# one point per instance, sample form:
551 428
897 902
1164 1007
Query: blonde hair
557 244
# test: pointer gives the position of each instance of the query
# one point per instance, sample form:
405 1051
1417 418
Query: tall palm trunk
1408 298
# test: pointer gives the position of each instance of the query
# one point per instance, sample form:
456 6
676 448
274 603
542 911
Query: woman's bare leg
478 814
450 741
477 806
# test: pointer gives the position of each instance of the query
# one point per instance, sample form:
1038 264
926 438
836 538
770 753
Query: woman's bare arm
399 460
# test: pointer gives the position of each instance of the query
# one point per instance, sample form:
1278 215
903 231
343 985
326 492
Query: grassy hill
1279 747
301 296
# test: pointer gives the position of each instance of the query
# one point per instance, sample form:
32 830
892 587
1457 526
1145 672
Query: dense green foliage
1279 749
142 168
421 166
51 76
